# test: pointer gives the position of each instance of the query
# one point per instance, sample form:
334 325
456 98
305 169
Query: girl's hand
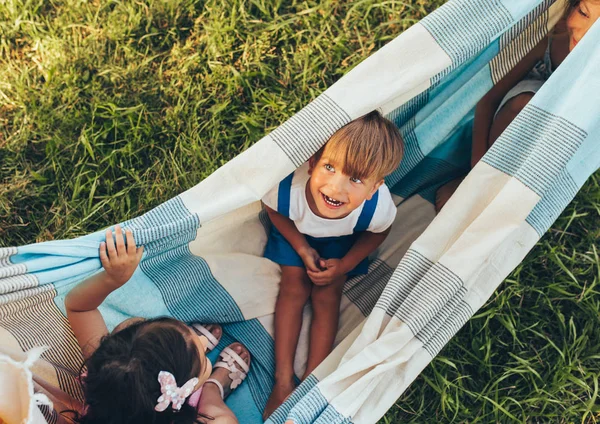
119 262
311 258
333 269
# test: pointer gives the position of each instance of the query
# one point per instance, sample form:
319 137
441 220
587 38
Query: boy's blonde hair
369 146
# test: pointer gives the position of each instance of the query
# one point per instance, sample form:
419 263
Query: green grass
109 108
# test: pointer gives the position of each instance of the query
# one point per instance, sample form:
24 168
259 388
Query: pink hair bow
171 393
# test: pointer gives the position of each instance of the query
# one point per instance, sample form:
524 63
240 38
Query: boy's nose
338 184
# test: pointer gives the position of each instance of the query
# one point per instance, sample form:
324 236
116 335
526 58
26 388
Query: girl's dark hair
122 386
570 5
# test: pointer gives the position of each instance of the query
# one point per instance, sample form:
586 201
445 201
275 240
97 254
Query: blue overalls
280 251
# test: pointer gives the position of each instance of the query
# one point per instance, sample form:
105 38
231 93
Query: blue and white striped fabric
203 258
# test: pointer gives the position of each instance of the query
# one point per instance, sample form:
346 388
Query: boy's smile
332 194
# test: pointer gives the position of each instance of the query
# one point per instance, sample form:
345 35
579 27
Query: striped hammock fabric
203 257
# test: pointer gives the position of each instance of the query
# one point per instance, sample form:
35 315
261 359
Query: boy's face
333 194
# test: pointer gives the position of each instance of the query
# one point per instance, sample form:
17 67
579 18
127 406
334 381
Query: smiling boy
327 217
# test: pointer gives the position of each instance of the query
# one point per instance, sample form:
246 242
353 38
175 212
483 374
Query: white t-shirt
312 225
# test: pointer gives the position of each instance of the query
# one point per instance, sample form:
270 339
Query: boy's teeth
331 201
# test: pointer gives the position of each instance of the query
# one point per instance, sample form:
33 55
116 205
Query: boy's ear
375 188
311 164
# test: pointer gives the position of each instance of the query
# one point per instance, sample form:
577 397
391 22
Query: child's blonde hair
369 146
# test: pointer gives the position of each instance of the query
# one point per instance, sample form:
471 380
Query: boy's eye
329 167
355 180
581 12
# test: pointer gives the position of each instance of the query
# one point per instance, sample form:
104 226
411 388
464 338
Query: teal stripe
188 288
553 203
477 22
308 410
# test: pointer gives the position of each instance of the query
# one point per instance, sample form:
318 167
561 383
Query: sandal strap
237 358
212 340
232 362
218 384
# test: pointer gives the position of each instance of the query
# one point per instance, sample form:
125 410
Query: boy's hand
333 269
119 261
311 259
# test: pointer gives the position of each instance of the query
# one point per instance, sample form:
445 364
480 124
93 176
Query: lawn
109 108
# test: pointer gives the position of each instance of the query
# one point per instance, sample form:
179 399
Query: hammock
203 257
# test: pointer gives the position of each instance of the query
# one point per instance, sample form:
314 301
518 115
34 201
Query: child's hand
333 270
119 261
311 259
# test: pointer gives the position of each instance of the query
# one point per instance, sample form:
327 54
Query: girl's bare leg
507 114
211 403
502 120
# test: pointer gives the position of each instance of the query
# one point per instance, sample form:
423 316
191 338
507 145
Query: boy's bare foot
281 391
229 372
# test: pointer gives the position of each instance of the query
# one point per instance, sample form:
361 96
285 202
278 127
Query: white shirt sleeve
270 199
385 213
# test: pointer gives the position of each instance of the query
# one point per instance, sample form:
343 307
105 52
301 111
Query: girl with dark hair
147 371
497 109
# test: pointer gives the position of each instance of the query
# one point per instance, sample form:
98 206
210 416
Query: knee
518 103
295 291
325 297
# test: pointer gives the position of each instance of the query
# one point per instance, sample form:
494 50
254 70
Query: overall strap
367 213
283 195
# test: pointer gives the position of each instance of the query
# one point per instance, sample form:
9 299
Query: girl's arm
487 106
82 302
288 229
366 243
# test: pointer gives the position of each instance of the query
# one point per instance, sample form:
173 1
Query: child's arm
366 243
81 303
288 229
487 106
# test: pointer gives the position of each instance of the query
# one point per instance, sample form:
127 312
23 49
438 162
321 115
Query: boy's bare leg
294 292
325 302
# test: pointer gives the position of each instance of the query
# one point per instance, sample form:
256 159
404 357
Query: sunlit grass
109 108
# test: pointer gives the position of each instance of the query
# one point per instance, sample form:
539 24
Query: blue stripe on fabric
535 148
253 335
281 413
366 215
167 226
413 154
411 269
402 114
553 203
432 294
512 49
332 416
188 288
429 173
446 324
484 21
309 408
364 290
310 128
283 195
